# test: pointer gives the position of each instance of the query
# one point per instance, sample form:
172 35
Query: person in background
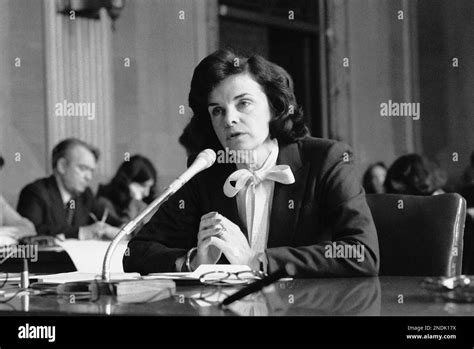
413 174
189 142
129 190
467 191
13 227
63 204
468 175
374 178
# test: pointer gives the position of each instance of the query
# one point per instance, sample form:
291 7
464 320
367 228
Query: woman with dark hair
274 196
374 178
129 190
413 174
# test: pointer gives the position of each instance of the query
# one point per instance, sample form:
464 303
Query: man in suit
294 200
63 203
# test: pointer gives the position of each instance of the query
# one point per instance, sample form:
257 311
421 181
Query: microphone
204 160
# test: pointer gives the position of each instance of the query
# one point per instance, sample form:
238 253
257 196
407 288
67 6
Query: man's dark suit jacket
325 204
42 204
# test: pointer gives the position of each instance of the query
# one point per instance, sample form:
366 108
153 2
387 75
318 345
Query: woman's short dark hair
414 174
139 170
286 124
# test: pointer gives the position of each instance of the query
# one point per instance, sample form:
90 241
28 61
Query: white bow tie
278 173
248 181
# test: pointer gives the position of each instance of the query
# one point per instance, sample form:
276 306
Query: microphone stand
132 225
106 285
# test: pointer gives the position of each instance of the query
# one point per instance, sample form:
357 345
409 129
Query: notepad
88 255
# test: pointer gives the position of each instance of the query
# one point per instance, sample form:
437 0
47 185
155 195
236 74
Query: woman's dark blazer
325 204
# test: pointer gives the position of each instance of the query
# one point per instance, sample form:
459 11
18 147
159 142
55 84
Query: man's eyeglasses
221 278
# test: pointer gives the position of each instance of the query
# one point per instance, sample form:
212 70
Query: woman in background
13 227
413 174
374 178
129 190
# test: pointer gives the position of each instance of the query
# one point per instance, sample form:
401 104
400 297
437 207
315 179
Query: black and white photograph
204 171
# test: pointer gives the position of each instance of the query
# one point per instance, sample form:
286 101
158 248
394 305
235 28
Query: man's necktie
70 210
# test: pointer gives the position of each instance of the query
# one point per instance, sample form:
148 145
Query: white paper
202 269
79 276
168 276
88 255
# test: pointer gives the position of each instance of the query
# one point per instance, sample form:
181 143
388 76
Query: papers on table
202 269
79 276
170 276
88 255
88 276
7 240
9 277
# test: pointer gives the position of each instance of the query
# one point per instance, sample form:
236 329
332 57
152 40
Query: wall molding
78 66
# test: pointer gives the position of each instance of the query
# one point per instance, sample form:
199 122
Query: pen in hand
93 217
98 234
288 270
105 215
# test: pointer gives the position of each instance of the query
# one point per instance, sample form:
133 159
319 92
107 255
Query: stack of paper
79 276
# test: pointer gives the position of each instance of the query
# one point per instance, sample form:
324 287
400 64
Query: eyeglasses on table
223 278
